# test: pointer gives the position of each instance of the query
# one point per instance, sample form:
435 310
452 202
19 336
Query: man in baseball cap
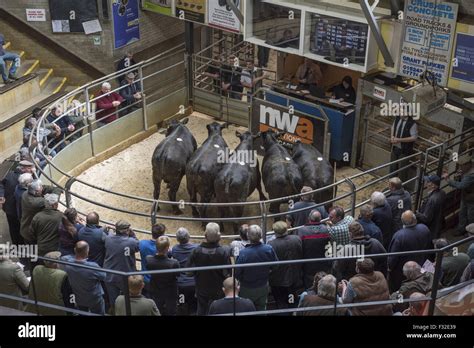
431 212
464 181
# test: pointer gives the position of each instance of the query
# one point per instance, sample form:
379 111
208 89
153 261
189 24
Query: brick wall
154 30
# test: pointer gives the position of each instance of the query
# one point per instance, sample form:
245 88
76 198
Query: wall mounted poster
67 16
191 10
221 16
126 22
159 6
428 38
463 65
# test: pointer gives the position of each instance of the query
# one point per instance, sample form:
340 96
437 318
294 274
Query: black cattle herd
283 174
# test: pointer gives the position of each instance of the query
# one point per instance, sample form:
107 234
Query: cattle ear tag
288 159
320 159
179 139
261 147
216 146
242 163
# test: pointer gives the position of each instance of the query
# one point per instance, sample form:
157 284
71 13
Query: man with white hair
107 104
326 297
415 281
413 236
45 225
186 284
254 280
382 216
23 181
209 253
33 202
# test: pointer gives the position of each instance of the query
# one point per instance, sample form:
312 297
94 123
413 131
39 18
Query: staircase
37 86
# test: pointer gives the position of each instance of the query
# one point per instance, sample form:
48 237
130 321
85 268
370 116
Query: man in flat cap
120 249
132 93
7 198
464 181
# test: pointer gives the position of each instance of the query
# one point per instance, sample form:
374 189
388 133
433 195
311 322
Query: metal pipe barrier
431 298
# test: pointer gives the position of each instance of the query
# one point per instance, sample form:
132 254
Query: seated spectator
301 218
33 202
413 236
13 280
431 210
148 247
231 302
124 63
65 125
186 284
120 249
68 232
366 286
370 228
313 290
453 264
338 226
254 280
45 225
131 92
77 118
8 75
240 243
416 308
139 304
95 236
382 216
326 296
51 286
360 245
23 181
415 281
314 238
107 104
86 283
468 273
399 201
209 253
286 280
163 287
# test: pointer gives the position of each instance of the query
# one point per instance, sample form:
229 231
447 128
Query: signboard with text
36 15
463 64
191 10
159 6
221 16
126 22
428 38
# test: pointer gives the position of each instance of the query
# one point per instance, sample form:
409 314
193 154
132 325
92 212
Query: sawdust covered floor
130 172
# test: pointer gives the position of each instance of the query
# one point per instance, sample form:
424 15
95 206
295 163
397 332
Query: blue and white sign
428 39
126 22
463 65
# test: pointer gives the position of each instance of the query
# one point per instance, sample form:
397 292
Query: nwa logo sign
295 127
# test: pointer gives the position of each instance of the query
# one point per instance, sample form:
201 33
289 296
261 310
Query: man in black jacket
209 253
301 218
314 237
132 93
361 245
231 301
404 135
231 79
8 201
126 62
399 200
382 216
164 287
431 212
286 280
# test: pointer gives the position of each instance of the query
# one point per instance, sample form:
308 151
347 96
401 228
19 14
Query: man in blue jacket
8 76
254 280
95 236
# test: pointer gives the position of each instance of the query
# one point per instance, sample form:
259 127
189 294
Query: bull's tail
293 181
227 183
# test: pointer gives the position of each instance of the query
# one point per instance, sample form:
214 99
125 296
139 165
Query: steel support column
189 44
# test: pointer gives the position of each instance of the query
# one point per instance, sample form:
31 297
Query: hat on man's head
466 159
131 75
26 163
435 179
470 228
55 255
122 226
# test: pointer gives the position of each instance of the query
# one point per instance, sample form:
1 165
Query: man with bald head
95 236
413 236
226 304
314 237
86 283
209 253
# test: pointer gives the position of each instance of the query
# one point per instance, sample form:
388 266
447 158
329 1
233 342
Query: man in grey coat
399 200
12 279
